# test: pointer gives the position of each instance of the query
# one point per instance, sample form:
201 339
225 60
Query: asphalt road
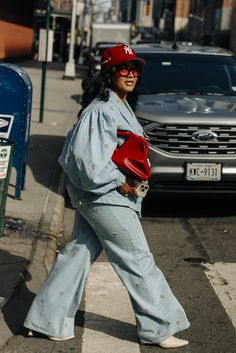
185 236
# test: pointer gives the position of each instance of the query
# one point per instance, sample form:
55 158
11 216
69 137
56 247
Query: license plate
203 171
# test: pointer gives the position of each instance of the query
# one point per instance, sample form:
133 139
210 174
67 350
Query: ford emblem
204 135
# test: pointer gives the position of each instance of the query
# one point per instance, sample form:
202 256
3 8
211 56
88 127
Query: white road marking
109 319
223 279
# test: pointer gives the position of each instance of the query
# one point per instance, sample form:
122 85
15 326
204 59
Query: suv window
191 73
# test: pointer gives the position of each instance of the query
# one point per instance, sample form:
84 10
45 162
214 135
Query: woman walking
107 207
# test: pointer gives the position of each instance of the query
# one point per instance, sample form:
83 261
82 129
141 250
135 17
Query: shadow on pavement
44 151
111 327
154 206
76 98
15 310
42 161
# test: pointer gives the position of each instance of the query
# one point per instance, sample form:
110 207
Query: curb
43 254
56 225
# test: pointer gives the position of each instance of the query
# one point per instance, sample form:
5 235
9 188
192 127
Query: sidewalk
28 246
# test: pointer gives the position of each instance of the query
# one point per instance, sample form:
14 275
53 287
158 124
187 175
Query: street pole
70 65
82 24
91 24
44 63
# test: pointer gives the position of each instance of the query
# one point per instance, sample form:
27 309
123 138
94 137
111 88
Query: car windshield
100 50
188 73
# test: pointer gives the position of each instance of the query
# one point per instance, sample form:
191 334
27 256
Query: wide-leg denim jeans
118 230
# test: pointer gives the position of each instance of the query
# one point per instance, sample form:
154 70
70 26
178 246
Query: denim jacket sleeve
89 166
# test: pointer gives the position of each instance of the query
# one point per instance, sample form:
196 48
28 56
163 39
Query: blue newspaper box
15 116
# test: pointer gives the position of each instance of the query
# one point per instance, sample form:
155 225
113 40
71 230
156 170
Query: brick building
60 19
182 17
210 21
16 28
62 5
233 29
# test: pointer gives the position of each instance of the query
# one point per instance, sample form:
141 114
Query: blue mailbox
15 116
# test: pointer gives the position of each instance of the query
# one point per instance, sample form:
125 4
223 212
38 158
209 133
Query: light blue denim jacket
87 152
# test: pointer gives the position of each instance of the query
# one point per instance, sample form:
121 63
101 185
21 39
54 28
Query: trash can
7 148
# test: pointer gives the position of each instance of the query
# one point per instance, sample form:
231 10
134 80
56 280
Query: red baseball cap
118 55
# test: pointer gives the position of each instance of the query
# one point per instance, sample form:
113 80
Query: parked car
188 111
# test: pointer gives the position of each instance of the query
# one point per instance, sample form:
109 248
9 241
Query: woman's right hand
128 187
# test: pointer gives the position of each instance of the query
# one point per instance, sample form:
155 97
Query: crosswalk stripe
109 320
223 279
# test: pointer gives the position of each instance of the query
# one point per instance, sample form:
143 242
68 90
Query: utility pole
85 29
91 23
70 65
81 29
44 63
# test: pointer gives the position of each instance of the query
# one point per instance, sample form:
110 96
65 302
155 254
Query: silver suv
188 110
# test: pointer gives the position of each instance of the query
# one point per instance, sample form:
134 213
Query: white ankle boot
60 339
173 342
52 338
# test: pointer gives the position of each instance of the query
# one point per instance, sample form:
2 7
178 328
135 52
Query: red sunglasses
125 69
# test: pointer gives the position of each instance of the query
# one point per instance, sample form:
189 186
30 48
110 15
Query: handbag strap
124 133
129 135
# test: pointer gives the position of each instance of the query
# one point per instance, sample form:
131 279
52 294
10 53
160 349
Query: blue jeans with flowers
118 230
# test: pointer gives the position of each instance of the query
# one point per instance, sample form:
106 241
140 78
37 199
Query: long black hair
98 87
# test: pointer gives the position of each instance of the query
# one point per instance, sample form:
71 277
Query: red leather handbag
132 156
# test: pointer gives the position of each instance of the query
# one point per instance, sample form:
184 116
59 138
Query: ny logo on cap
128 50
